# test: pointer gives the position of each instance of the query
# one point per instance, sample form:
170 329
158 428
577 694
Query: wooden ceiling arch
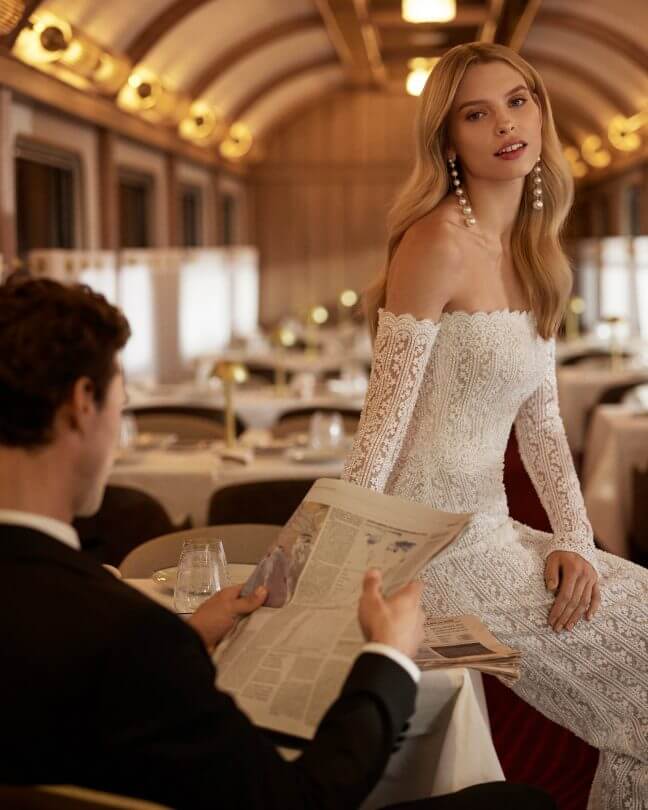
299 108
565 111
268 87
605 89
9 39
596 30
214 70
159 26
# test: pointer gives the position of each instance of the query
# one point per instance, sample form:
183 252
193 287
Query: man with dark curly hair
102 687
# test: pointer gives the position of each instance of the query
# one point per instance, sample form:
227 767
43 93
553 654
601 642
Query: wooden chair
590 354
298 420
258 501
186 421
243 543
126 518
68 797
639 521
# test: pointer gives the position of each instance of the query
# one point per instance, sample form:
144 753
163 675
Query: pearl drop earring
538 204
462 199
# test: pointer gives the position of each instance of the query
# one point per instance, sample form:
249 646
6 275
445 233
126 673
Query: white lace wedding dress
441 402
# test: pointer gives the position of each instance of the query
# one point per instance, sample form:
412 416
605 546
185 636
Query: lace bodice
440 406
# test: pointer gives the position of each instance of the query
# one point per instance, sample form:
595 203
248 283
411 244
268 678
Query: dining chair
68 797
243 543
639 518
590 354
269 501
185 421
126 518
613 395
297 420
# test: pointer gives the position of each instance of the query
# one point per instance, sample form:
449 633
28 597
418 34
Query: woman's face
493 111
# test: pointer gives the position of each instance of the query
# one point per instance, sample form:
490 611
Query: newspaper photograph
465 641
285 664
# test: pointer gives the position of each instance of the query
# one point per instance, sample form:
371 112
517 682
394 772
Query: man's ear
81 403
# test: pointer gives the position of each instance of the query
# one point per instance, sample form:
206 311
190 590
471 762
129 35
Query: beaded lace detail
547 458
401 353
436 423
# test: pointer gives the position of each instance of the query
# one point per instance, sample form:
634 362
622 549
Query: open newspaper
286 663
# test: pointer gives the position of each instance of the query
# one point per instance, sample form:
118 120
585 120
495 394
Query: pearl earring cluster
538 204
462 199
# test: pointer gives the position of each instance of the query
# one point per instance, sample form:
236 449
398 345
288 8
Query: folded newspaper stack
464 641
286 666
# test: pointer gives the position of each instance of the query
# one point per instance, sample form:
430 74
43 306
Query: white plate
310 455
166 577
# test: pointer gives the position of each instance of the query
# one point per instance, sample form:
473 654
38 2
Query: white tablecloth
616 443
183 482
259 408
448 746
579 389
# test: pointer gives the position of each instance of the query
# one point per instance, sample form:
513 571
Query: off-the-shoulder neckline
518 313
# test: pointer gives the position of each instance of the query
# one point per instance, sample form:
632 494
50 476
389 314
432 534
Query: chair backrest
126 518
243 543
639 519
258 501
590 354
298 420
186 421
68 797
611 396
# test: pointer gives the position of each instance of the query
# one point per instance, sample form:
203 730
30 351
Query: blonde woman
464 322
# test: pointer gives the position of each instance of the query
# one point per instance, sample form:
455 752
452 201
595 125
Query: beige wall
321 196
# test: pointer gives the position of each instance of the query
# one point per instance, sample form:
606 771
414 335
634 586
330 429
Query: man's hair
51 335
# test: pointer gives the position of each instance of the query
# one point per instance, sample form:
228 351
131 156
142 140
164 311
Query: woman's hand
578 591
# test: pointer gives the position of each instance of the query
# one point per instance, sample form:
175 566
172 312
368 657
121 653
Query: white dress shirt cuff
398 657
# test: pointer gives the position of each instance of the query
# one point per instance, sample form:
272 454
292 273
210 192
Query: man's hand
578 594
397 620
215 617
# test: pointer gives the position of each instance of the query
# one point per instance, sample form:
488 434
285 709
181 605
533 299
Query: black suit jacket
104 688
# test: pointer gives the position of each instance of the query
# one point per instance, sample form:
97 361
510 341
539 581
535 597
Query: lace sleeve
548 460
401 352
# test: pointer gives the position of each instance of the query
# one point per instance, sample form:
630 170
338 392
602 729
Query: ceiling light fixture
427 11
420 69
595 153
624 132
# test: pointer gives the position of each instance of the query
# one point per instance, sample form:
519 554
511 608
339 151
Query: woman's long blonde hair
535 244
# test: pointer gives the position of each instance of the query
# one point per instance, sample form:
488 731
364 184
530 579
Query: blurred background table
581 387
617 444
184 481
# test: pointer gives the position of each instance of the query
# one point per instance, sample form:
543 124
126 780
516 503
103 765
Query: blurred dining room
222 172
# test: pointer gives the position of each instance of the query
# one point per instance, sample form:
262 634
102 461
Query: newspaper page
286 666
464 641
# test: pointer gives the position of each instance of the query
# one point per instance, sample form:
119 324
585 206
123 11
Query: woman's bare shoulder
426 269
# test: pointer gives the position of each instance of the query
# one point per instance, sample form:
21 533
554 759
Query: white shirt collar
55 528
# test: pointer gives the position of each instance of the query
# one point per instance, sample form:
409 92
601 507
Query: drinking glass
127 431
202 570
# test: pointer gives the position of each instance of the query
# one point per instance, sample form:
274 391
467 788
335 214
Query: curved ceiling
255 59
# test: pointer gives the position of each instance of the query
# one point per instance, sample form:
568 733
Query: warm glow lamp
230 374
426 11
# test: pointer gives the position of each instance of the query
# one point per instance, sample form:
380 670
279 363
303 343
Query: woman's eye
474 116
519 99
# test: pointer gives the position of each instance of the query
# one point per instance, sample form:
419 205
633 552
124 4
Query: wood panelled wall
321 196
